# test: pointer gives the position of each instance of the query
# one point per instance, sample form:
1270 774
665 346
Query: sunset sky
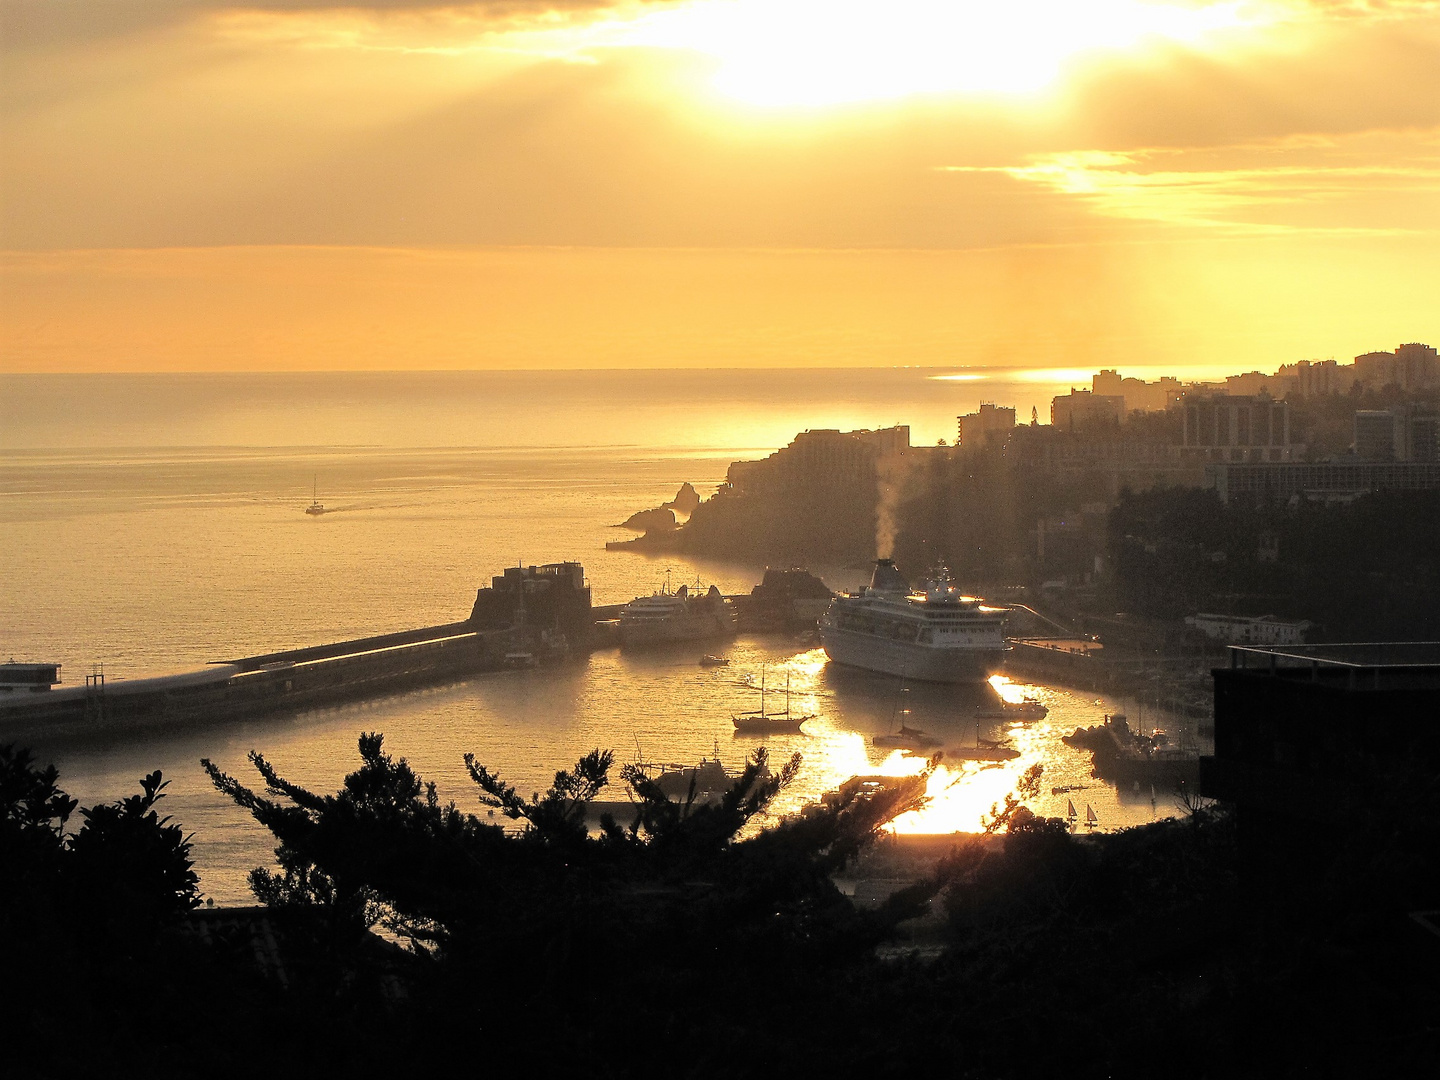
297 184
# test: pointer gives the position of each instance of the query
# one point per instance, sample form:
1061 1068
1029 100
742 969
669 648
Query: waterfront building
552 597
1248 630
977 429
32 677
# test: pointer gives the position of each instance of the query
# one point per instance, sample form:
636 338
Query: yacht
934 635
676 616
761 722
316 507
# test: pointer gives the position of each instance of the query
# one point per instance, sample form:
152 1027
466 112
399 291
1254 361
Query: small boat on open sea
709 660
316 507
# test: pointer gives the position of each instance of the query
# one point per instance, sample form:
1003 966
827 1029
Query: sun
828 52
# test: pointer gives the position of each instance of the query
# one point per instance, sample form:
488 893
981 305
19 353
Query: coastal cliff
828 496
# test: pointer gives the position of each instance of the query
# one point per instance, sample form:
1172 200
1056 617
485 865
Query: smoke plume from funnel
890 473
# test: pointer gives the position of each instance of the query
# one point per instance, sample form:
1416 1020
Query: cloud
1381 182
49 24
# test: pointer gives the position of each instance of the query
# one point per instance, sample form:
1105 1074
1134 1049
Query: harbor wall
274 682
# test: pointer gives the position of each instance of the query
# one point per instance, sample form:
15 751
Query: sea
154 523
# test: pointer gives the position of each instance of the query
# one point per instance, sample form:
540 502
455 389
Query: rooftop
1355 655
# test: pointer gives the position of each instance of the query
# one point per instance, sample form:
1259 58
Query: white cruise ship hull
909 660
676 628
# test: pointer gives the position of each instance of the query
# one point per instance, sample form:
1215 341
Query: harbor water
164 536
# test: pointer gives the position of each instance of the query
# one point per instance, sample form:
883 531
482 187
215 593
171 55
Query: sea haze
729 410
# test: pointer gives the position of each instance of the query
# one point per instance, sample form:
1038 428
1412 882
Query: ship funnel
887 578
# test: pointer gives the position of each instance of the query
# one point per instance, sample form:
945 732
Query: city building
1249 630
1085 408
1411 367
1329 480
977 429
1375 434
824 458
1139 395
1295 722
1315 378
1234 428
1110 454
1402 433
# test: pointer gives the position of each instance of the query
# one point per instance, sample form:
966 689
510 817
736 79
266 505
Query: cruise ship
676 616
936 635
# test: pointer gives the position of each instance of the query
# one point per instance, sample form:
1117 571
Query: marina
387 591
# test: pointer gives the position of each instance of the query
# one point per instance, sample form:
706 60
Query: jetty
543 611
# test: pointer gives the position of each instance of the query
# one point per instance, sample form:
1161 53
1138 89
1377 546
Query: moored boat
681 615
907 738
1029 709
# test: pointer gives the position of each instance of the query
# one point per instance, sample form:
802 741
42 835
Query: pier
540 612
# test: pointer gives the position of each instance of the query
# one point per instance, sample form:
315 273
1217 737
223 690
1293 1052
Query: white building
1253 630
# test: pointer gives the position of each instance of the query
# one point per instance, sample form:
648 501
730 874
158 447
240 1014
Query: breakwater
273 682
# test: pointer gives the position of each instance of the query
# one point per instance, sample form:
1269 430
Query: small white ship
934 635
676 616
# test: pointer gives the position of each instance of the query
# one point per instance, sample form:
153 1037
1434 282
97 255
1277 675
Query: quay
528 616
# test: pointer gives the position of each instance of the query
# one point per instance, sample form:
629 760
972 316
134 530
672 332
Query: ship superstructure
676 616
937 634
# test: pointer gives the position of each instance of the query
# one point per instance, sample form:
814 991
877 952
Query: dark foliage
85 916
1369 570
695 943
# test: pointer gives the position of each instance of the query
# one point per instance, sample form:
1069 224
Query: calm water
154 523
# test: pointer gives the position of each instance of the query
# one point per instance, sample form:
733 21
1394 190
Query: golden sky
300 184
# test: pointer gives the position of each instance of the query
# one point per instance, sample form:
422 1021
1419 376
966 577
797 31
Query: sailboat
907 738
1071 812
1090 819
760 722
316 507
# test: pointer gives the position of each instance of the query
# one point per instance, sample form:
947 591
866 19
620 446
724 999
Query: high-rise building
1410 367
1402 433
978 428
1233 428
1085 408
1375 434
